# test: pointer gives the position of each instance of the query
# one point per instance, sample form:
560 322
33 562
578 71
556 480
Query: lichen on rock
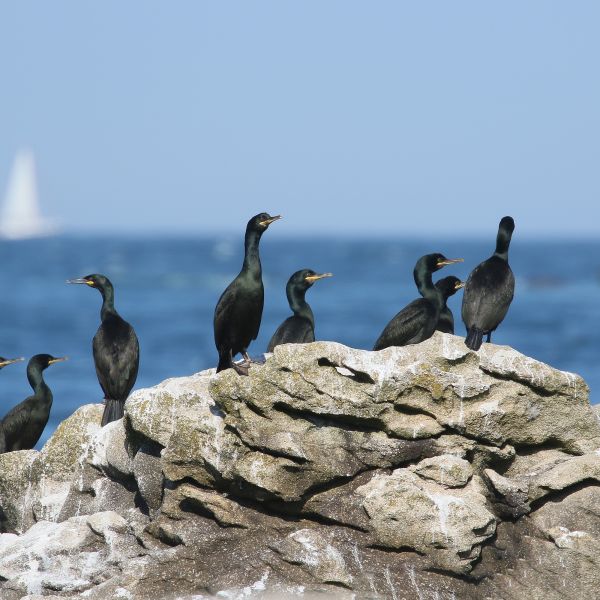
423 471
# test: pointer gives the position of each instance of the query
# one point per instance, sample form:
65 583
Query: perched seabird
489 290
300 327
116 350
239 310
417 321
24 424
448 286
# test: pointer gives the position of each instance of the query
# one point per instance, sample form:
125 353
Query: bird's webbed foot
247 360
240 368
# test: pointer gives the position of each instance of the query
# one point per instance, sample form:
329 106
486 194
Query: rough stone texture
65 557
17 489
509 497
448 470
34 485
407 512
428 471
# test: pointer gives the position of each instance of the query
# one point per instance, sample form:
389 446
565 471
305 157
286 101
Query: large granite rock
428 471
34 485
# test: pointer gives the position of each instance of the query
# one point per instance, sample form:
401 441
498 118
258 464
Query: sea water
167 289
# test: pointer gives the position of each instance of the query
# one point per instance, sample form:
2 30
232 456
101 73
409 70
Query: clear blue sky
381 117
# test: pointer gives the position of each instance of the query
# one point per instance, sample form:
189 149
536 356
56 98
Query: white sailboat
20 216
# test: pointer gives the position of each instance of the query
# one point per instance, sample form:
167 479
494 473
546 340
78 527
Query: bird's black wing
238 315
294 330
253 309
222 317
488 293
116 356
411 325
16 426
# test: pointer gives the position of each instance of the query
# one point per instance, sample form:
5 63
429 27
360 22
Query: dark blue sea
167 289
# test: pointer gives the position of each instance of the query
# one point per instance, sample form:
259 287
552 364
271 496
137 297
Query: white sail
20 216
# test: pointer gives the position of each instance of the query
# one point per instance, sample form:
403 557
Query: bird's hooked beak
316 277
449 261
81 280
459 284
267 222
59 359
10 361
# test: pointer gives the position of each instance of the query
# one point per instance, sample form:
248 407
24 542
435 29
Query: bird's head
306 277
261 222
505 231
43 361
507 224
434 262
4 362
100 282
449 286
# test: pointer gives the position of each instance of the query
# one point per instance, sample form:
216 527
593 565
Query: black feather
416 322
116 351
23 425
239 310
489 290
300 327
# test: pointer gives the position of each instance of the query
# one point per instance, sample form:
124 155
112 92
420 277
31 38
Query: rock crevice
428 468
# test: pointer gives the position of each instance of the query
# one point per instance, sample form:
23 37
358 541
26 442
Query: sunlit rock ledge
428 471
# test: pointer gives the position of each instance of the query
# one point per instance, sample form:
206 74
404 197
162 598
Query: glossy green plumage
23 425
417 321
238 312
447 287
300 327
116 351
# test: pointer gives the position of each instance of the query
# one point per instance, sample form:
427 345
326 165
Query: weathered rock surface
34 485
428 471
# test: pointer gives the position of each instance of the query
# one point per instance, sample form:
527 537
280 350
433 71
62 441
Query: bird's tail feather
224 362
474 338
113 411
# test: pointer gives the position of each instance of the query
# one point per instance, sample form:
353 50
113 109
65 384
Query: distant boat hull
28 231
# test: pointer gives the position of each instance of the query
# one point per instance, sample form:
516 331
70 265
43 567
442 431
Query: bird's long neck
108 301
298 304
251 256
37 383
426 288
502 244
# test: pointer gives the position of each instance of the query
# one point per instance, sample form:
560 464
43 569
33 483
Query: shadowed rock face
427 471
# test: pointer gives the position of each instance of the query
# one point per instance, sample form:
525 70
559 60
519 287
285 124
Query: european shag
24 424
239 310
417 321
300 327
116 350
489 290
448 286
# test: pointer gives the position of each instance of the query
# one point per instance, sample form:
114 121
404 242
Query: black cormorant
239 310
23 425
417 321
299 328
489 290
116 350
448 286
